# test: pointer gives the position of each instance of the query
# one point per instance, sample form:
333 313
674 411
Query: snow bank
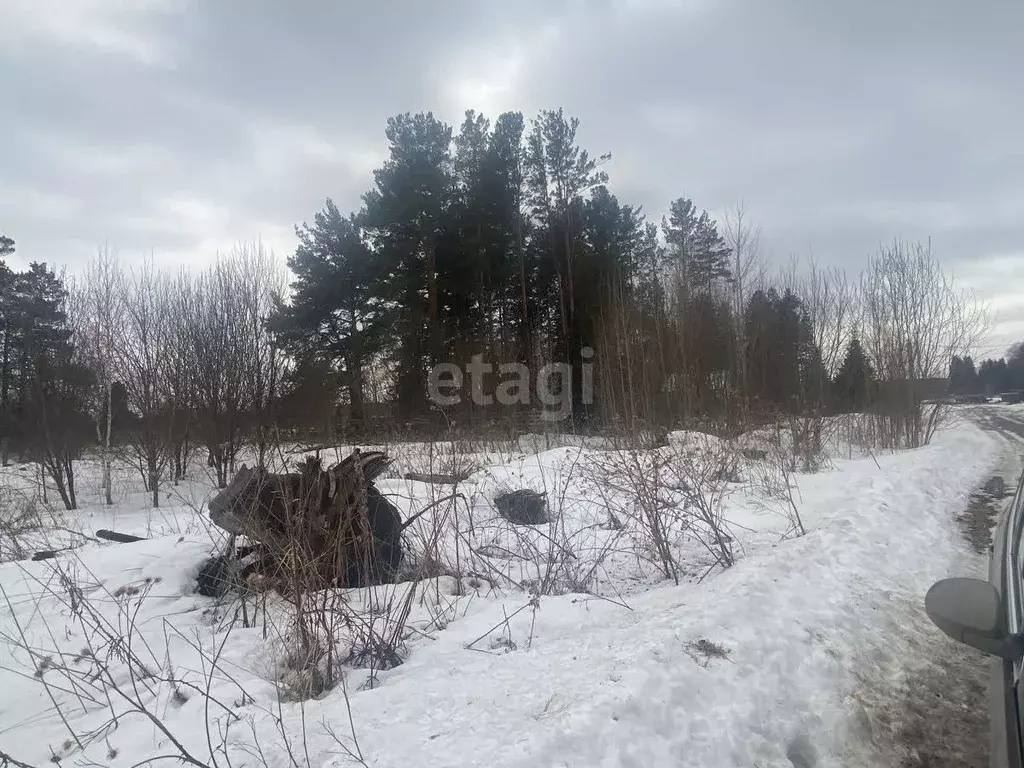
754 663
601 685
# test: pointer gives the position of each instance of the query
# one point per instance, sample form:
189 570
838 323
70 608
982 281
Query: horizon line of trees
504 240
991 377
501 240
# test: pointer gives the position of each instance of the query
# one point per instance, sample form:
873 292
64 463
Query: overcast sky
181 127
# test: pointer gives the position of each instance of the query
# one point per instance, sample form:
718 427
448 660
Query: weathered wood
120 538
334 522
49 554
434 478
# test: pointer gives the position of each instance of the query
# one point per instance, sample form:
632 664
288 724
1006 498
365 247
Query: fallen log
434 479
49 554
120 538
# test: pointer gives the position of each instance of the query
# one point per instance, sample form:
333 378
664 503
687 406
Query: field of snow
564 644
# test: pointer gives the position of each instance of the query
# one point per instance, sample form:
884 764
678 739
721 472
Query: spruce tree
855 381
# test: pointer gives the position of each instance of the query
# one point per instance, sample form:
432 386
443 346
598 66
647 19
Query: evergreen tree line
503 240
497 244
991 377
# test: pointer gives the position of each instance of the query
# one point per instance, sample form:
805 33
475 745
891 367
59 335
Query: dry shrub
28 526
773 476
21 525
117 674
557 556
668 495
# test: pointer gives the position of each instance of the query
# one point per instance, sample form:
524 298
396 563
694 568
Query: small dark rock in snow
522 507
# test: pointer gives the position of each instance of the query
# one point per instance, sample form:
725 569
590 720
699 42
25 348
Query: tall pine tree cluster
502 240
497 250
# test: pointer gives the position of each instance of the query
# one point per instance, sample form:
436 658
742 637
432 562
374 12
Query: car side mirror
971 612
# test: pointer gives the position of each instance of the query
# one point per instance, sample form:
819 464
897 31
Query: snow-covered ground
562 644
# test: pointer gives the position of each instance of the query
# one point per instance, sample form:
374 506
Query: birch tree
97 307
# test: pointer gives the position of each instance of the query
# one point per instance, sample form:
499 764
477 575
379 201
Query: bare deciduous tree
831 302
744 240
180 379
915 321
96 308
261 287
217 351
142 356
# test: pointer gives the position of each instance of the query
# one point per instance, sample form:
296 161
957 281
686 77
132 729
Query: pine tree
507 242
855 382
407 216
784 367
963 379
48 388
515 273
695 245
993 376
787 354
814 379
337 314
468 287
40 322
485 275
1015 367
761 332
559 175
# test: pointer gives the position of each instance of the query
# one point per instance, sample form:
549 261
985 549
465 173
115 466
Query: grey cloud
841 125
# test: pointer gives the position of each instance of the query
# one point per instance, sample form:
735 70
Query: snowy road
1009 422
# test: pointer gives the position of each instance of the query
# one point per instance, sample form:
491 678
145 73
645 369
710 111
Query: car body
989 615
